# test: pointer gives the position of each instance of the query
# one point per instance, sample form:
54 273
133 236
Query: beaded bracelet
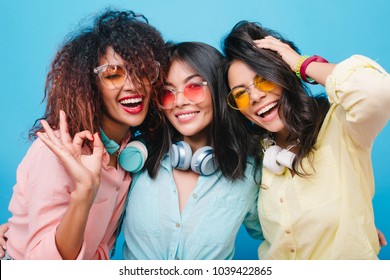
298 65
305 63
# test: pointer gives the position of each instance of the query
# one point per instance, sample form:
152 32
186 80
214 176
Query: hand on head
290 56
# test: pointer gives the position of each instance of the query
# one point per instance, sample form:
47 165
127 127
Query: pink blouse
41 197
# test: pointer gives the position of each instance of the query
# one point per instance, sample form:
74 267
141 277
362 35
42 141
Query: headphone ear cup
133 157
180 154
269 160
285 158
203 161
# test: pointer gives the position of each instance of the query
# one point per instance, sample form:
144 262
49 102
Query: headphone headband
201 162
132 158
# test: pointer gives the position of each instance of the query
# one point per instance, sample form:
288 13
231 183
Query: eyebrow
185 80
239 86
244 86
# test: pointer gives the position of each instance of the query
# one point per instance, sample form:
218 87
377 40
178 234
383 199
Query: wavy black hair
302 112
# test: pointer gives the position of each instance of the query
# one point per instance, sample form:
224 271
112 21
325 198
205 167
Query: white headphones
277 159
201 162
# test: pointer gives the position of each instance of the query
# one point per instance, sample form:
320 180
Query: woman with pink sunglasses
201 186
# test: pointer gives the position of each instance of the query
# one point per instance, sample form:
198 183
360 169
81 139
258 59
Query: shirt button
195 195
292 250
118 188
177 225
177 258
288 231
281 200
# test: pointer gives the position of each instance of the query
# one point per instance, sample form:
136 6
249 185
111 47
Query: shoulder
356 63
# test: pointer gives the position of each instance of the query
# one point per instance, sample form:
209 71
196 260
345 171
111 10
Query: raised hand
84 169
284 50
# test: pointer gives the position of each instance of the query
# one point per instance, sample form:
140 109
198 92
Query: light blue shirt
155 229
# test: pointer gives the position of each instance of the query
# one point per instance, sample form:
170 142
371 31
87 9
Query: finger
69 161
97 154
269 44
50 133
98 147
64 131
272 38
80 137
47 141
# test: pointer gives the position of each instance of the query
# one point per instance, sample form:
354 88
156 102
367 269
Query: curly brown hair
71 84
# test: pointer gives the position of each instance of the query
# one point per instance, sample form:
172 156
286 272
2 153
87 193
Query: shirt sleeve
252 222
47 191
362 87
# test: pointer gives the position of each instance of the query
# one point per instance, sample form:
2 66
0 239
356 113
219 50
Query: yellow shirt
329 214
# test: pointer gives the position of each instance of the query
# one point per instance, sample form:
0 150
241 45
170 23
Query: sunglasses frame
247 90
100 69
175 92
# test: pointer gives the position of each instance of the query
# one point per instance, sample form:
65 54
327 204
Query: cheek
168 116
246 113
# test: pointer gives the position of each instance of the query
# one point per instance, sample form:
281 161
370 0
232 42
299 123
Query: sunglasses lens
167 99
151 76
262 84
238 98
194 92
113 76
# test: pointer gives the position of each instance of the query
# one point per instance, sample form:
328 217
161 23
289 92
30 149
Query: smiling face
189 119
263 106
126 105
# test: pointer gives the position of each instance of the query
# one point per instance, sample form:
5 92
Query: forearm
70 232
319 71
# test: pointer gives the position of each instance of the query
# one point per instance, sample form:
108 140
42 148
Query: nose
130 85
180 99
256 94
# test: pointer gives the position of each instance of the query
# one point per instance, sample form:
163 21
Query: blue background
31 31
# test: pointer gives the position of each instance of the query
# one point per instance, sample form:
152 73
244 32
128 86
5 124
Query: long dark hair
229 146
301 112
71 84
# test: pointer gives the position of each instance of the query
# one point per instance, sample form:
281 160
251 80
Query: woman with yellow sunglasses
315 200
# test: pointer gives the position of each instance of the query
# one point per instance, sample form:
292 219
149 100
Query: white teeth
267 108
184 116
131 100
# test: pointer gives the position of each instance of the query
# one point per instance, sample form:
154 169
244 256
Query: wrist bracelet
305 63
298 65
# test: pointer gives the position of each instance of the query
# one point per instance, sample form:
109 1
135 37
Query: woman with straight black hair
201 187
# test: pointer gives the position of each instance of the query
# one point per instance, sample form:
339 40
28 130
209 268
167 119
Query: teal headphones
132 158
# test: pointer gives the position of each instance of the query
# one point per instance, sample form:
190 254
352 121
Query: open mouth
268 110
131 102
